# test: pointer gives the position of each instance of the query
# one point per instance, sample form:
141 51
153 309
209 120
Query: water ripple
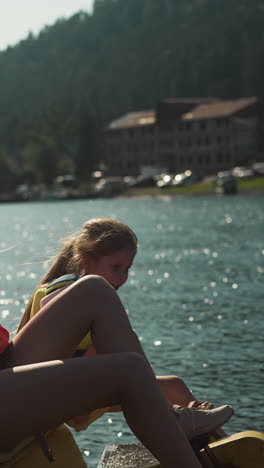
194 295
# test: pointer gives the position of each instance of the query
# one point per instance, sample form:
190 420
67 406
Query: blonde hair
98 237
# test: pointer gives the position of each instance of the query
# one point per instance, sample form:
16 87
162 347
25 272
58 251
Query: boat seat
62 443
241 450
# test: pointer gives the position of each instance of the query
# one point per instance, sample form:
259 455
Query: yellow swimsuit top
62 281
85 344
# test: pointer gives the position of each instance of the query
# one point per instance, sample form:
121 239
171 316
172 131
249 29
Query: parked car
258 168
241 172
182 179
109 187
145 181
164 180
174 180
226 183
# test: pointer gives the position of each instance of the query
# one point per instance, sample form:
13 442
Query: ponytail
98 237
64 263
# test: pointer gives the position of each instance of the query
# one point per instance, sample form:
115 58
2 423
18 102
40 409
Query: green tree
88 146
8 177
41 160
126 56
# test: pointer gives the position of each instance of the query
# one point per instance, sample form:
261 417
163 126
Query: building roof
200 108
134 119
219 109
171 109
196 100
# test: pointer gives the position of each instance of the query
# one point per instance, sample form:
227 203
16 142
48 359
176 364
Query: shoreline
254 186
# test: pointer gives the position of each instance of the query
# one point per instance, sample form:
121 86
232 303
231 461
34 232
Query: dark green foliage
41 159
88 144
130 53
125 56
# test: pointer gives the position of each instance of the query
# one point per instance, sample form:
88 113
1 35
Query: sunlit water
194 294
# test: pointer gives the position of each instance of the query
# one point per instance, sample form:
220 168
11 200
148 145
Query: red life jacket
4 339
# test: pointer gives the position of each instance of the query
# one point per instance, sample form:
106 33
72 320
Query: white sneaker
195 422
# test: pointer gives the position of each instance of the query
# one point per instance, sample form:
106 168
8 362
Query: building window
202 125
166 127
219 157
219 122
166 143
208 159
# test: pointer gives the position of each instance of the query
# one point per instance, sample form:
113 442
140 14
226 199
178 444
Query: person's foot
195 422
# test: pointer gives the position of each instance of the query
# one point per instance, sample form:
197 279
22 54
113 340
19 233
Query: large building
202 135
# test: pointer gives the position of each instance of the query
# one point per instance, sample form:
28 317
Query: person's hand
201 405
81 422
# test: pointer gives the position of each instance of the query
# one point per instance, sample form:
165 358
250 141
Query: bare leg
88 383
89 304
175 390
179 394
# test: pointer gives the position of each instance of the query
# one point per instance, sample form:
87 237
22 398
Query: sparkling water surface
194 294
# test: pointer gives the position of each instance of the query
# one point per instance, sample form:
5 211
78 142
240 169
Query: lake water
194 294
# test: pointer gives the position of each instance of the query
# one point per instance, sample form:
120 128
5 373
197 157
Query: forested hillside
125 56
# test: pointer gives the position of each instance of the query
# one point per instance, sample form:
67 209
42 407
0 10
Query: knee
93 284
137 366
177 379
94 281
